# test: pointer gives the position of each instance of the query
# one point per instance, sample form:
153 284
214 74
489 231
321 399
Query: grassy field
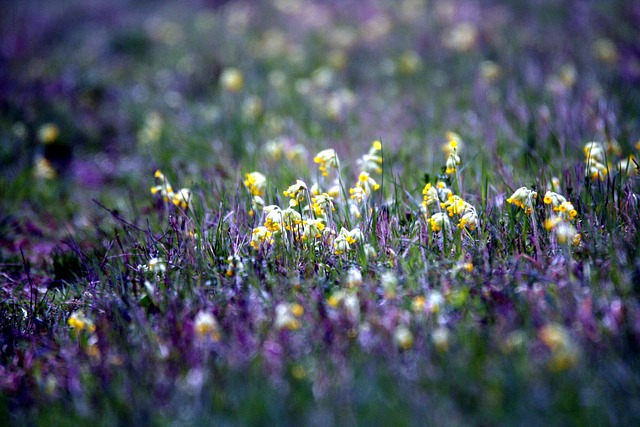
339 212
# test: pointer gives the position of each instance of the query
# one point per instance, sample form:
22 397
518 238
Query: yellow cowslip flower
524 199
430 194
630 166
364 187
490 71
259 235
256 183
43 168
327 159
462 37
182 198
605 50
313 229
597 170
291 219
435 302
48 133
561 205
296 192
335 298
321 204
440 338
372 161
78 321
409 62
403 337
550 223
554 199
163 187
234 265
345 239
257 204
469 220
367 183
287 316
206 326
452 163
595 151
564 351
418 304
273 150
357 194
565 233
273 221
232 80
354 277
439 221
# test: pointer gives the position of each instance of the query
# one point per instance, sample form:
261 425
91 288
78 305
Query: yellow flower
43 168
345 239
287 316
255 183
182 198
313 229
440 338
163 187
403 337
291 219
364 187
206 326
258 236
372 161
438 221
296 192
78 321
273 221
564 351
232 80
322 203
48 133
326 159
524 199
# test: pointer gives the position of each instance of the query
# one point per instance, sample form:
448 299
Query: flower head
232 80
255 183
206 326
524 199
326 159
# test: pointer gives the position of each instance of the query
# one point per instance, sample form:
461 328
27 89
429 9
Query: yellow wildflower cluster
370 162
288 315
451 148
524 199
79 322
296 193
564 351
596 160
345 239
206 326
563 213
259 235
327 159
181 198
455 205
232 80
256 183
